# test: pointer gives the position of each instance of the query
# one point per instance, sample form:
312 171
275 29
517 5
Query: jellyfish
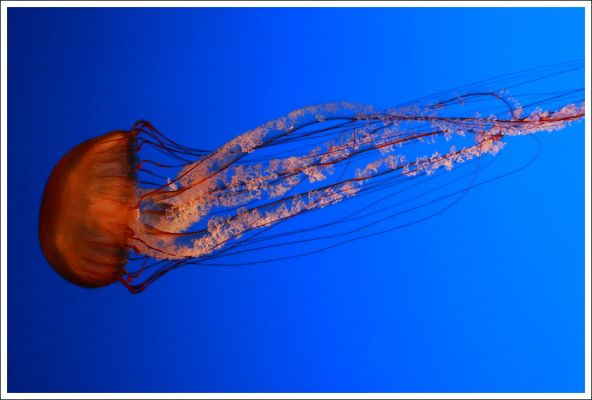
132 205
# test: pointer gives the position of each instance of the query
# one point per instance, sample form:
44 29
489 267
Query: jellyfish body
87 209
98 210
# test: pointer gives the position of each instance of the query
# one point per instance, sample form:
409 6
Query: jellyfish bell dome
89 203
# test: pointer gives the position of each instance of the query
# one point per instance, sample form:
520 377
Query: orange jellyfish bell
88 205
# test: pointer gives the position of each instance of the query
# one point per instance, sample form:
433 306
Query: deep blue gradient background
488 296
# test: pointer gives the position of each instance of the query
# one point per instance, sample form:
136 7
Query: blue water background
488 296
